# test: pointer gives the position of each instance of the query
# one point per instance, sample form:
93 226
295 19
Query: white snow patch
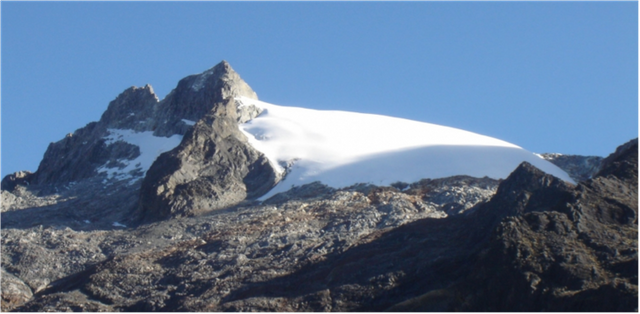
117 224
188 122
342 148
552 156
150 148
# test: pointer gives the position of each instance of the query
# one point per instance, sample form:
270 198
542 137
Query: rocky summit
157 207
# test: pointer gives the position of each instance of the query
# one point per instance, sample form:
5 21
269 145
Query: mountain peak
225 65
221 76
622 162
136 115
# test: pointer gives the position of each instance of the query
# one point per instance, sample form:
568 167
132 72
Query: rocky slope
551 246
579 168
531 242
199 114
96 228
55 256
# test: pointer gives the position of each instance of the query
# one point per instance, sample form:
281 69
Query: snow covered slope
342 148
150 148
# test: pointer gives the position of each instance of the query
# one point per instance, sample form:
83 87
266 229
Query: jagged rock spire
79 155
221 76
196 95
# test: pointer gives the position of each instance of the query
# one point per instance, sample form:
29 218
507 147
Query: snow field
342 148
150 148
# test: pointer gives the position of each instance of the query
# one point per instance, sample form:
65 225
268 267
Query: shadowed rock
556 248
195 96
9 182
538 244
213 167
81 153
71 241
579 168
14 291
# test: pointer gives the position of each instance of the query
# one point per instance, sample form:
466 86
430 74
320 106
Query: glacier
340 148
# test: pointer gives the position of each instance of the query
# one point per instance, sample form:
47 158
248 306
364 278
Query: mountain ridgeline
158 206
212 168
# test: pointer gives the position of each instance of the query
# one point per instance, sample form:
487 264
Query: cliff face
530 242
556 247
104 225
79 155
213 168
580 168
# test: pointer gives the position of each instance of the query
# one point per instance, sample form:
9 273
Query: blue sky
547 76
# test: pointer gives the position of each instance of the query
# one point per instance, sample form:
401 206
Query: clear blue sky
547 76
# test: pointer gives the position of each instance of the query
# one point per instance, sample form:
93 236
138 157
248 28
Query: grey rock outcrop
246 112
82 153
14 291
72 238
10 181
531 242
132 109
195 96
214 167
621 163
547 246
579 168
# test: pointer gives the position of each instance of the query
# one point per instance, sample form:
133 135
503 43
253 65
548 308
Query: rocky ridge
188 235
213 167
579 168
200 114
530 242
233 245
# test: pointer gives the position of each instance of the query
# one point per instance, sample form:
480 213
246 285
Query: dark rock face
530 243
72 239
80 154
14 291
214 167
131 109
18 178
579 168
558 248
621 163
196 96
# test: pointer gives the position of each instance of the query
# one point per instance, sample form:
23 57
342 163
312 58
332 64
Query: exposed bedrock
545 246
80 154
212 168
